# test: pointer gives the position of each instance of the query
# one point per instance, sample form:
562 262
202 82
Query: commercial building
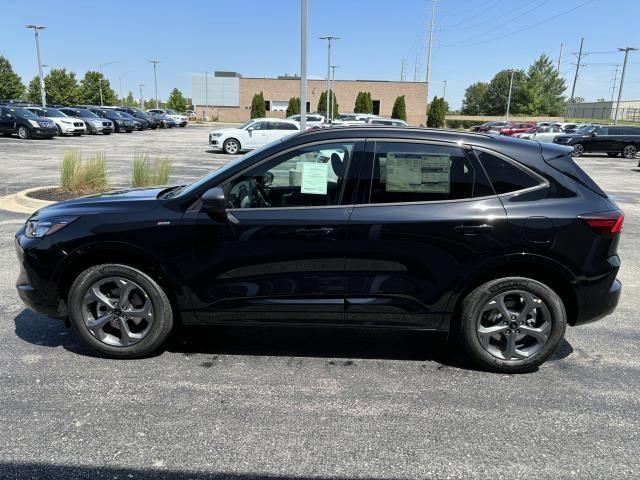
629 110
228 95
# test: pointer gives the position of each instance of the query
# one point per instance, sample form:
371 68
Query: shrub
80 176
258 109
399 109
436 115
293 108
145 173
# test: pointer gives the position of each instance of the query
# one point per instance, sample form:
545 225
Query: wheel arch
233 138
545 270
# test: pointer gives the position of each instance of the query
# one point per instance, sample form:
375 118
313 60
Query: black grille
106 124
77 124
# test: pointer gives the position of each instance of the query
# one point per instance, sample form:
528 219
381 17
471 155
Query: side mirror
214 204
594 134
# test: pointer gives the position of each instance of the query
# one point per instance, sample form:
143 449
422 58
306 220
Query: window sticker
408 172
314 178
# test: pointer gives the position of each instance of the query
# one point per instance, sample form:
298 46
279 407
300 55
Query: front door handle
314 232
470 230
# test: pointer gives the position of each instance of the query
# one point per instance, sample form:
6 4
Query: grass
146 173
79 176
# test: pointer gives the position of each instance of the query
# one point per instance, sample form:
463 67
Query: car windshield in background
23 112
83 112
52 112
171 112
112 114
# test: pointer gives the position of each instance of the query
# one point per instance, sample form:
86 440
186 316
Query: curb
20 203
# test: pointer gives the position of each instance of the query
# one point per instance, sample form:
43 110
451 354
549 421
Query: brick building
228 95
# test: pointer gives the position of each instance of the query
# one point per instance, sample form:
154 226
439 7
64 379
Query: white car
544 134
180 119
313 120
253 134
66 125
392 122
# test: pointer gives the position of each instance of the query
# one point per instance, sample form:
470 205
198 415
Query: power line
473 17
535 6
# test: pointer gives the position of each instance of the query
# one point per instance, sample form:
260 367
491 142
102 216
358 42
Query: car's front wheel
512 324
578 150
231 146
23 132
119 311
629 151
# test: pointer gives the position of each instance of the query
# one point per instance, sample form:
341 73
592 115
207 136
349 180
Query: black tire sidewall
475 301
632 156
162 318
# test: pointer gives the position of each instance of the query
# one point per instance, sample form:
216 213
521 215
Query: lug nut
517 331
520 322
508 332
513 317
505 323
109 311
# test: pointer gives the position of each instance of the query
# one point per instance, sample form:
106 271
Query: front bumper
44 132
70 128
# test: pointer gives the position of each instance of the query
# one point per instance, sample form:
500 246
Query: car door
425 216
598 141
280 254
277 130
257 135
7 121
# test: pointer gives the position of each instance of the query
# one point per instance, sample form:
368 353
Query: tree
130 101
599 99
358 105
177 101
540 91
11 86
293 108
498 92
322 104
581 100
33 90
257 106
362 103
61 87
369 102
90 89
399 109
474 101
151 103
436 116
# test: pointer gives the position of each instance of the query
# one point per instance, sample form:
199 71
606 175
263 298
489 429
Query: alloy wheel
231 146
629 151
23 132
117 311
514 325
578 150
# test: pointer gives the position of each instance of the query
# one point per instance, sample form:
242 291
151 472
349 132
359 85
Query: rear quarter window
505 176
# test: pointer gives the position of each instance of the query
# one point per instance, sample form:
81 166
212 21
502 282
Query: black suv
498 241
612 140
120 124
24 123
136 112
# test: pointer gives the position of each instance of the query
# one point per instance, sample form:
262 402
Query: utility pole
613 83
403 71
560 57
43 95
333 83
303 65
509 99
626 51
416 72
444 90
575 78
329 39
206 95
155 79
433 19
141 101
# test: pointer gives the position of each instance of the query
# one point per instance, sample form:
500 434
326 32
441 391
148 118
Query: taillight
605 223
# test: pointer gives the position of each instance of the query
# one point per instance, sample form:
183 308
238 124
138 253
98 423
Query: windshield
52 112
22 112
587 128
242 127
83 112
112 114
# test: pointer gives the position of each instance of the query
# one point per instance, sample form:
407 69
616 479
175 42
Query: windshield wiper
171 191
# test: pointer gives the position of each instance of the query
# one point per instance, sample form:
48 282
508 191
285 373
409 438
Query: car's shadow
321 342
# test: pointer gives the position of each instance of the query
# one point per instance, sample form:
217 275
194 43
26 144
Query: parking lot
299 404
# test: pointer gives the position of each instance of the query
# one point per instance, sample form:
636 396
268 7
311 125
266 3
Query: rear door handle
470 230
314 232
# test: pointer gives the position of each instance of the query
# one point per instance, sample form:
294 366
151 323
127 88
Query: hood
224 130
129 200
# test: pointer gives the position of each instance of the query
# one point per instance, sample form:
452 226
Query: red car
516 128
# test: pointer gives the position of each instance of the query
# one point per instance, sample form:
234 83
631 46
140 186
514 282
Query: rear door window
505 176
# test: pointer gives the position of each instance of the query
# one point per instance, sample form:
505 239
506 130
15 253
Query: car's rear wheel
578 150
119 311
629 151
59 130
512 324
613 154
23 132
231 146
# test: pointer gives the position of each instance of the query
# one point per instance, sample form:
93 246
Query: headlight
46 226
66 121
215 134
34 123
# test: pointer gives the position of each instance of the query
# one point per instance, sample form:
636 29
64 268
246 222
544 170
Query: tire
106 133
231 146
613 154
60 134
23 132
77 134
484 335
142 293
578 150
629 151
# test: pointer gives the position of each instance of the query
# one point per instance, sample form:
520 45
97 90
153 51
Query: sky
472 40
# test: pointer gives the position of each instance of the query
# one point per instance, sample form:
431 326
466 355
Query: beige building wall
275 89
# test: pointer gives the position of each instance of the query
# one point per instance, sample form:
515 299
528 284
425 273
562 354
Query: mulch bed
54 194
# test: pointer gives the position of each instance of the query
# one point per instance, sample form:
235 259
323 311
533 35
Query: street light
141 102
329 39
206 95
120 80
624 68
101 79
155 79
509 99
43 95
303 65
333 85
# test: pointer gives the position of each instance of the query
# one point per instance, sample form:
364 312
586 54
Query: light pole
444 90
141 102
303 65
509 99
120 80
624 68
155 79
329 39
333 85
43 95
206 95
101 79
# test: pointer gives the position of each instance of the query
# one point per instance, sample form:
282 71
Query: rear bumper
598 304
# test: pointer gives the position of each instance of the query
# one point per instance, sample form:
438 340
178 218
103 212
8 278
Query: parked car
142 115
93 123
65 124
24 123
181 120
313 119
404 228
515 127
485 127
609 139
120 124
138 123
542 134
191 114
390 122
253 134
165 120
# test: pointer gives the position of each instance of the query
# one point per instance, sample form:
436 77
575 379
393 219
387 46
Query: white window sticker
418 173
314 178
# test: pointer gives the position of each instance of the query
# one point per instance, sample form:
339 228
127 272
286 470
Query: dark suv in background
610 139
502 243
136 112
24 123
